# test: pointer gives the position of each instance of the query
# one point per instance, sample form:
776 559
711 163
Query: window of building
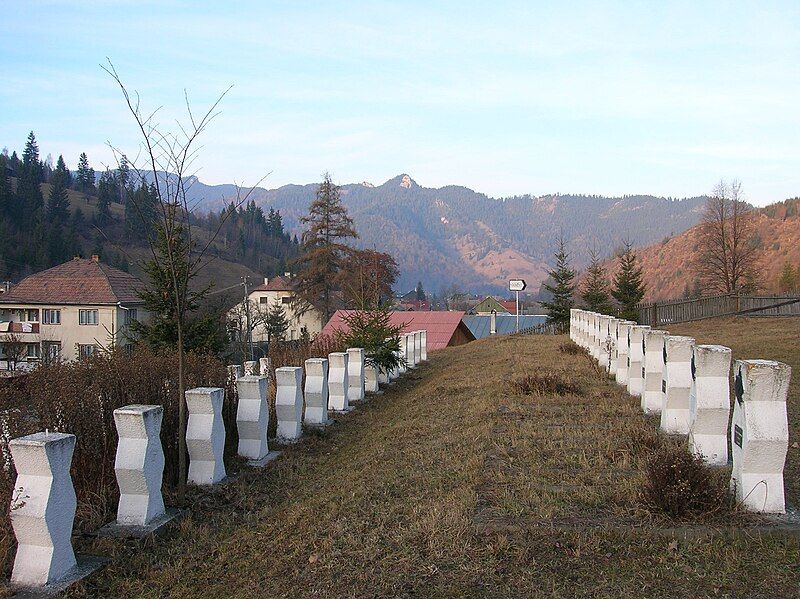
263 299
33 316
51 350
286 300
86 351
131 315
33 350
87 317
51 316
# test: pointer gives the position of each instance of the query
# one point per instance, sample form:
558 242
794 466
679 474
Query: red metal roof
440 325
79 281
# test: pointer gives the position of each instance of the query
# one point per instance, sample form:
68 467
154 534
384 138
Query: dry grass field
457 482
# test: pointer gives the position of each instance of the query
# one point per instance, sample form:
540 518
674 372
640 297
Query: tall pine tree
85 178
628 287
58 200
29 190
561 286
276 323
323 252
596 297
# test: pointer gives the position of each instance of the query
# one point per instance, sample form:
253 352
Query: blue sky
504 97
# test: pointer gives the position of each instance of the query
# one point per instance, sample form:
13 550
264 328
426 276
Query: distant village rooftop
80 281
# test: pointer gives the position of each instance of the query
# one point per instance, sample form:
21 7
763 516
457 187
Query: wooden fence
660 313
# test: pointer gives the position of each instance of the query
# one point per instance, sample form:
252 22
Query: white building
69 311
278 290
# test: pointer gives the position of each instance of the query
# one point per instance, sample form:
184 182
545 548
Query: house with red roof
69 311
445 328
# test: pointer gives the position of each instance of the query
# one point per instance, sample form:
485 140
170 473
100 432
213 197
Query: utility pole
248 334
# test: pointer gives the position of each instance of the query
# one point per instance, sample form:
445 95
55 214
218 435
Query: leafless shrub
571 349
680 485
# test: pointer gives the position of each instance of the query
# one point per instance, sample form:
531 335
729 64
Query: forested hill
456 236
49 214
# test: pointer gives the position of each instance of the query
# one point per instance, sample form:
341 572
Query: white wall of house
67 330
262 301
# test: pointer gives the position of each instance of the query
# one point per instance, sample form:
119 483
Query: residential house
277 290
445 328
70 311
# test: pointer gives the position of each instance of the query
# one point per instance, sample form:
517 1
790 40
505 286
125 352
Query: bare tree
727 257
15 349
167 157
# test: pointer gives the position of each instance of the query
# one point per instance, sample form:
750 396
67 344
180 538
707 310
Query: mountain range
455 237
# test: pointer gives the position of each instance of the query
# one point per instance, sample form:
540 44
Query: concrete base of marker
347 410
264 461
126 531
317 425
86 565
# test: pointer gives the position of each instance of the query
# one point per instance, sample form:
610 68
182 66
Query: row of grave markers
43 506
688 385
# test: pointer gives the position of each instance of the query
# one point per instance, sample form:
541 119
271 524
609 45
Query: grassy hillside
457 483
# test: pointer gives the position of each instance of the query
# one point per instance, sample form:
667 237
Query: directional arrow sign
516 285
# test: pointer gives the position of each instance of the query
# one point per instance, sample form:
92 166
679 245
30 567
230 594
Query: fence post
654 315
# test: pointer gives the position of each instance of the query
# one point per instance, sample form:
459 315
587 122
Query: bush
571 349
80 398
680 485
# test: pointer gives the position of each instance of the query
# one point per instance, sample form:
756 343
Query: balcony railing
19 327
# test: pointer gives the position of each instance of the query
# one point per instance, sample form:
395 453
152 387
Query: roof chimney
493 323
95 258
287 275
266 280
5 287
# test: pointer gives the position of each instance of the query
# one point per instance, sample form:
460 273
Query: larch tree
323 252
596 296
629 287
728 250
561 287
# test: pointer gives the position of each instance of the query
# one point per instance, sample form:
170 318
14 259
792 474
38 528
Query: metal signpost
517 285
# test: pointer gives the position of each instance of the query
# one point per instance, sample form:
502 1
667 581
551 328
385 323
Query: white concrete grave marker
401 353
636 358
652 392
42 508
623 358
316 391
605 343
289 402
709 403
355 374
573 323
205 435
252 417
417 347
139 464
338 391
250 368
371 379
591 337
423 345
677 384
760 434
410 353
